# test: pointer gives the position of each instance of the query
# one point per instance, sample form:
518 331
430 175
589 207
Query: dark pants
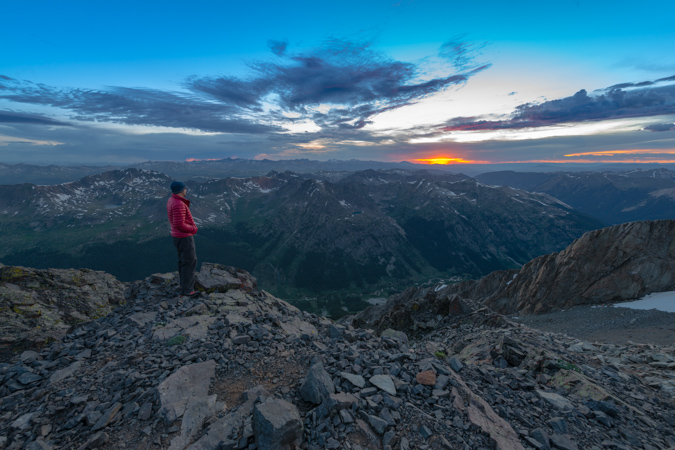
187 263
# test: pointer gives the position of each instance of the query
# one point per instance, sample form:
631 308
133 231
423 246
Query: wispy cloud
660 127
31 119
626 100
338 86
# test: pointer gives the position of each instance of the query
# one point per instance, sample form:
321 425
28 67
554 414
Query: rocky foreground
39 306
241 369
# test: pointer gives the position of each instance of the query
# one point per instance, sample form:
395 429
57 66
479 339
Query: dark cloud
352 80
614 103
660 127
460 52
131 106
31 119
355 80
672 78
277 47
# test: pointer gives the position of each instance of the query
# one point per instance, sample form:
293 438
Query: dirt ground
608 324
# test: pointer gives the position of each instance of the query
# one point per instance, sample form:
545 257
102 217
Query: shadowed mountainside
605 266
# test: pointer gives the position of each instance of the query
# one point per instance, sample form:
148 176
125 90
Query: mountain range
611 197
363 231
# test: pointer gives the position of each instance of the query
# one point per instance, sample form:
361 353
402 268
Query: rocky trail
240 369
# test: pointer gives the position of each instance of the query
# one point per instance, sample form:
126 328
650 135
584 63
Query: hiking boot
192 294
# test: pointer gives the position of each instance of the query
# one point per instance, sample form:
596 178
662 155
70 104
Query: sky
410 80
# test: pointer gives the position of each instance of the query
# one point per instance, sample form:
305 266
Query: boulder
317 385
220 278
277 425
39 306
189 383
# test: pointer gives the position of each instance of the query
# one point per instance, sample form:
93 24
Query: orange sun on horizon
443 161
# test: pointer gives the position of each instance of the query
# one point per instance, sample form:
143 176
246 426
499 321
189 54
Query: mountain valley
369 231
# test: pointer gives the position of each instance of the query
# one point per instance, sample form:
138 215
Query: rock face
234 368
39 306
610 265
613 264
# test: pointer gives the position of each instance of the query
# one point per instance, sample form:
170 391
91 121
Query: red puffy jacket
180 217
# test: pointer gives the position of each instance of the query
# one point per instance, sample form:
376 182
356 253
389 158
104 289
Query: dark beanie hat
177 187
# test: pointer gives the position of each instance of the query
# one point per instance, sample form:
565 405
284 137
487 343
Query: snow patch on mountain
663 301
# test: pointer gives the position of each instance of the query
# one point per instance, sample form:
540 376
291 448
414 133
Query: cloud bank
338 86
626 100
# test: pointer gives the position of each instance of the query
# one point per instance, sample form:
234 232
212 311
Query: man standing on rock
183 229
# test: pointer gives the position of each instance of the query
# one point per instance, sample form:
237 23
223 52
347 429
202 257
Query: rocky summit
240 369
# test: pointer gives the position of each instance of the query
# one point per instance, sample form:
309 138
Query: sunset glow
626 152
436 83
444 161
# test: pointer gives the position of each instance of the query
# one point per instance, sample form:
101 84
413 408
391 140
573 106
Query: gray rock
388 438
379 425
46 301
384 382
277 425
425 432
219 435
145 412
346 417
23 422
555 400
456 364
441 382
107 417
29 378
317 385
187 383
197 411
559 425
356 380
39 444
542 438
220 278
62 374
368 431
335 331
395 335
29 357
97 440
241 339
563 442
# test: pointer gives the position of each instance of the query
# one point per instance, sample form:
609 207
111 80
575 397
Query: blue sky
560 81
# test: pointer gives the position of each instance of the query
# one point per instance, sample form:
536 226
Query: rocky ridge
605 266
39 306
241 369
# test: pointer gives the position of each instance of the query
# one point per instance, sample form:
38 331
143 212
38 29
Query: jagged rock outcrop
39 306
618 263
610 265
233 369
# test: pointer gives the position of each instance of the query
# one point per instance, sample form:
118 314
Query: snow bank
663 301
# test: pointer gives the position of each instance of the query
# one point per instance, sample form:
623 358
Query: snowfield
663 301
